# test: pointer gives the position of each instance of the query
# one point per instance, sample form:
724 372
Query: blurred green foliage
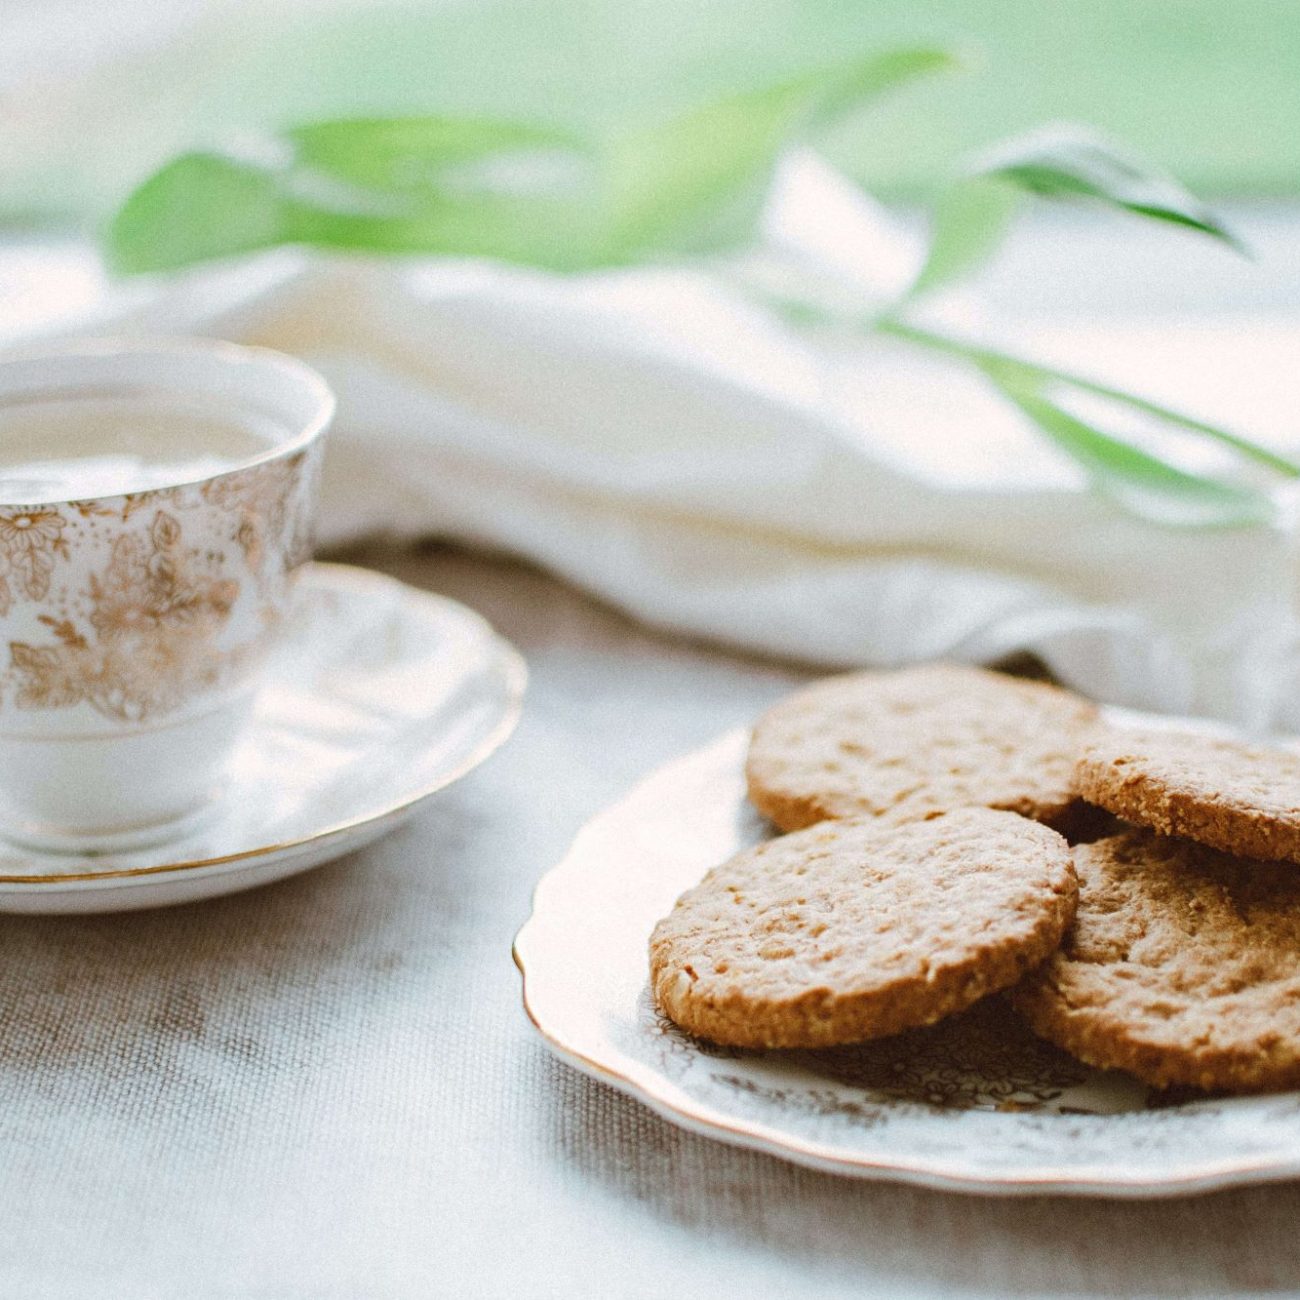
690 184
1208 88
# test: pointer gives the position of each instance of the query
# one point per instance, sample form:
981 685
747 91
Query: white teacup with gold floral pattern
155 500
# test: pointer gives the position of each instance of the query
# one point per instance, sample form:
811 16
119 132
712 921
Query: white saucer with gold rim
380 695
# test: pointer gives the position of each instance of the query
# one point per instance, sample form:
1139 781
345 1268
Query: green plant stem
983 356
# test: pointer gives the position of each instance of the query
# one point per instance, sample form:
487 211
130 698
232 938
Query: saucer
380 696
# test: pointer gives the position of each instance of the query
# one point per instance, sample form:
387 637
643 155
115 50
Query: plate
975 1104
380 695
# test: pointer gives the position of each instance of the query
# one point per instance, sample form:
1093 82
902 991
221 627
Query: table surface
327 1088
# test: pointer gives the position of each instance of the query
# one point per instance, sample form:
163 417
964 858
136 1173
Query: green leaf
970 221
448 185
1141 482
200 206
831 94
697 182
419 155
510 190
1056 162
465 187
1047 377
1067 161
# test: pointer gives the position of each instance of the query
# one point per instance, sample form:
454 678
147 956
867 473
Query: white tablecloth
326 1090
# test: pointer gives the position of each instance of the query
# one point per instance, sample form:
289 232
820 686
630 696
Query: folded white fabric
672 447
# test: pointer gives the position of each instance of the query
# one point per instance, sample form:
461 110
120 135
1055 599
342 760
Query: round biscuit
852 930
930 738
1182 966
1243 799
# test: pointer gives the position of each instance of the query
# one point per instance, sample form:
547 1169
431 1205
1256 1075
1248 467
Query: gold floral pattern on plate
984 1059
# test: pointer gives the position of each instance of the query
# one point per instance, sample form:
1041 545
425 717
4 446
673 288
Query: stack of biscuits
951 833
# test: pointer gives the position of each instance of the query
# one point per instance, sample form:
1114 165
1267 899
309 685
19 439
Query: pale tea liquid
68 447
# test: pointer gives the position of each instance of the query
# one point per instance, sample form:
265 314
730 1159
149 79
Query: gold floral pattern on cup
151 624
31 540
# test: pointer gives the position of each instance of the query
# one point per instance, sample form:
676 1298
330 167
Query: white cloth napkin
667 444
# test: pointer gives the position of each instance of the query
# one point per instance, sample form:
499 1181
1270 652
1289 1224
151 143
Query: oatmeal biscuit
930 738
852 930
1243 799
1182 966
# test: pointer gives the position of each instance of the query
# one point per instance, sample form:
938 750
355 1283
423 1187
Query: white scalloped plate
977 1104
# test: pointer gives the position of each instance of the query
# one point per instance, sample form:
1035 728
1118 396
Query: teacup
155 500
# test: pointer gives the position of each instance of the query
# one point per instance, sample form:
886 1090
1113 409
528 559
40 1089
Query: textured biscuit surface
1239 798
929 738
1182 966
851 930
